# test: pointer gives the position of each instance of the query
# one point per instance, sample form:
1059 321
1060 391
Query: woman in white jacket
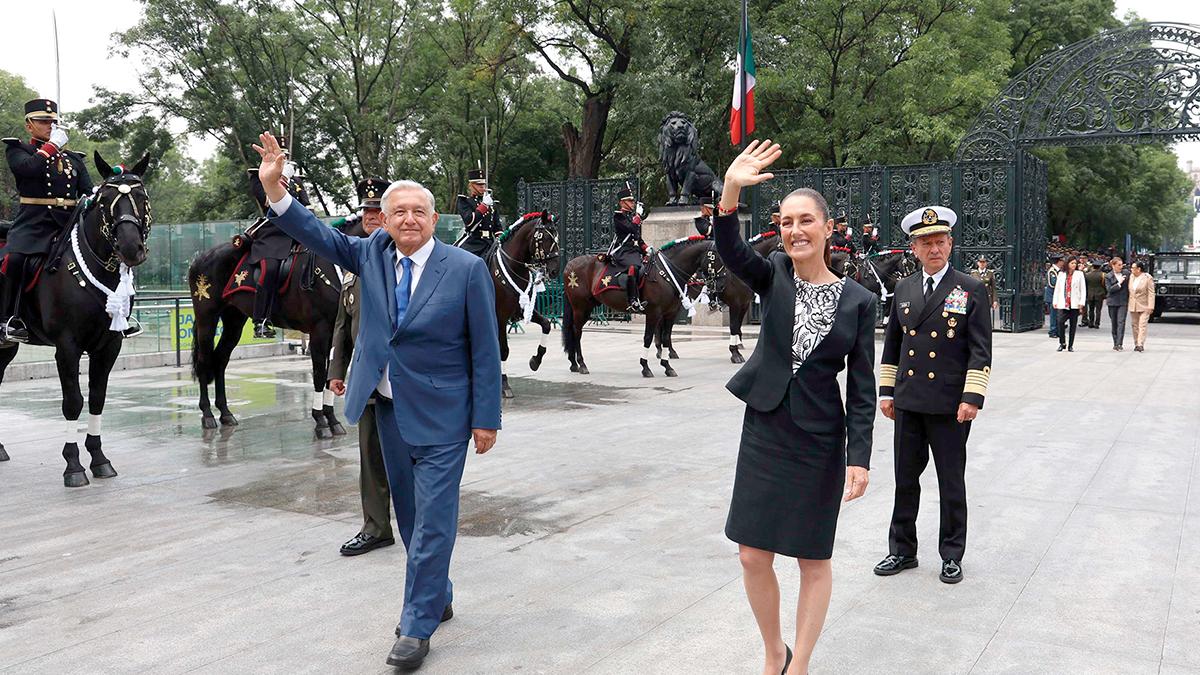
1070 296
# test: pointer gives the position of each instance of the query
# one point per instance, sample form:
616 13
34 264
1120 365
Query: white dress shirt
419 258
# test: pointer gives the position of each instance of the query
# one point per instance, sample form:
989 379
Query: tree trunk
585 146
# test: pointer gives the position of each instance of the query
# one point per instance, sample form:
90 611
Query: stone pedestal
665 223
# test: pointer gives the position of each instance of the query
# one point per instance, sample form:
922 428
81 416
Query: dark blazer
1118 291
815 403
938 354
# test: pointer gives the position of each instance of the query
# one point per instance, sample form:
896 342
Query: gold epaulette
887 375
977 381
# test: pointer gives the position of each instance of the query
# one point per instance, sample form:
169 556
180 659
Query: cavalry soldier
870 238
269 243
481 225
627 250
775 217
376 531
841 241
704 220
937 358
51 180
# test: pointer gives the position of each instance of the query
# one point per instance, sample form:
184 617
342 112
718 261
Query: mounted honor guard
270 244
376 497
627 250
707 204
776 219
51 180
937 360
841 241
481 224
870 238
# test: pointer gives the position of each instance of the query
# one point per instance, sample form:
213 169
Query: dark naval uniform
50 181
268 242
937 354
481 224
373 482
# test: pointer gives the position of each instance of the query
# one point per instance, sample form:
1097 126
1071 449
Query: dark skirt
788 488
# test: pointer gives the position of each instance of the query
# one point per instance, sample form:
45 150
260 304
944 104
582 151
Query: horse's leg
737 314
232 321
668 332
652 321
535 361
505 390
67 357
203 366
582 318
99 368
322 399
7 354
665 363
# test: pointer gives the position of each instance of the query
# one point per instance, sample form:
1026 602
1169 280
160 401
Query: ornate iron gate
985 195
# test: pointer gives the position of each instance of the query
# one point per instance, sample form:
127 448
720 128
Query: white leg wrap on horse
735 340
318 400
504 367
651 353
71 433
545 339
327 397
94 424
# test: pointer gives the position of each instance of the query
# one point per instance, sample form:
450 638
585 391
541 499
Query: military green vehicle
1176 282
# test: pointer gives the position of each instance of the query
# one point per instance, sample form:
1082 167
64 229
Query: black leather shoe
447 614
951 572
408 652
895 564
363 542
13 331
787 662
1061 347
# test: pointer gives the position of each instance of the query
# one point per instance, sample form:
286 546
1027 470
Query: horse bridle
124 185
712 274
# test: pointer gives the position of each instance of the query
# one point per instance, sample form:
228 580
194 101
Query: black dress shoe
788 662
951 572
895 564
1061 347
447 614
363 542
408 652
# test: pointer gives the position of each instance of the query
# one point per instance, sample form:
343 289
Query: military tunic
937 354
43 172
988 278
843 241
628 246
270 242
481 228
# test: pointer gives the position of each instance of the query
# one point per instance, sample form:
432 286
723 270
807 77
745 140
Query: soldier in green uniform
937 359
988 278
481 224
50 180
376 531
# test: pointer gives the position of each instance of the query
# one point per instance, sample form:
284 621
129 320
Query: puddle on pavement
486 515
537 395
327 488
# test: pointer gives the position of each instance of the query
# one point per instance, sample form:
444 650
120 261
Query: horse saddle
34 264
614 276
247 277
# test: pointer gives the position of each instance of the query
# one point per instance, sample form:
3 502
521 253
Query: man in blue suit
427 353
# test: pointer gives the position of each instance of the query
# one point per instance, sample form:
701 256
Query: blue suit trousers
425 483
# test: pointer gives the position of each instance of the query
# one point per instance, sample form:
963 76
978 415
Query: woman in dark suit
802 451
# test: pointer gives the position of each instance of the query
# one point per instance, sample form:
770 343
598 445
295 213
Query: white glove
487 199
58 136
289 169
640 209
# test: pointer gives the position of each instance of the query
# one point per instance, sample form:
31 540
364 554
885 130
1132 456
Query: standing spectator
1118 300
1070 296
1095 294
1141 303
1052 270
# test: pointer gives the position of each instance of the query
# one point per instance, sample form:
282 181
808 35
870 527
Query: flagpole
742 76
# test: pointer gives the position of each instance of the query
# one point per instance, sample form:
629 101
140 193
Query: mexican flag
743 105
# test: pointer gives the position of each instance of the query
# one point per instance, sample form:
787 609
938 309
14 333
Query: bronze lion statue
688 177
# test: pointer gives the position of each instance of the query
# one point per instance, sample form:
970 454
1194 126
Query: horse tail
570 342
202 367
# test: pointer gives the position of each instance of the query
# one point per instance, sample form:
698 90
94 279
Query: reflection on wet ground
489 515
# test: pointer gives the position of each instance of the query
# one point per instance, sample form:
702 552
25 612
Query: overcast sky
85 29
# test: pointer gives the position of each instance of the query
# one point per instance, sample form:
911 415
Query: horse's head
536 243
712 273
123 208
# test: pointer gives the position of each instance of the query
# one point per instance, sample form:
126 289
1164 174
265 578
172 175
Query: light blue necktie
403 290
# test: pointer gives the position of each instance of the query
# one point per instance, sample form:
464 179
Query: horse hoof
229 420
507 393
671 372
673 354
337 429
323 433
209 422
534 363
736 358
104 470
646 372
75 479
3 454
583 370
574 368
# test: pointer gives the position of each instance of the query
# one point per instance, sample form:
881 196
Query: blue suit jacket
444 359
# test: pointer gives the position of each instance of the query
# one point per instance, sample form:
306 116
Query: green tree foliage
14 92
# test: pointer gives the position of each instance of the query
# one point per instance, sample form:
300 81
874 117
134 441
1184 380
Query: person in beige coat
1141 304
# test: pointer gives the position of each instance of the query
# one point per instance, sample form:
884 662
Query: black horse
589 284
222 291
723 290
880 272
69 308
527 255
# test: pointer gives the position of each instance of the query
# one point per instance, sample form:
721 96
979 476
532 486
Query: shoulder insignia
14 142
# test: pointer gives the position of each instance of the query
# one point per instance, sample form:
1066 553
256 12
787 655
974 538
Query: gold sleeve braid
887 375
977 381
